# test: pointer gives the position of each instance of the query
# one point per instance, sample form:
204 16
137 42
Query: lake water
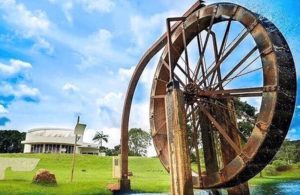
287 188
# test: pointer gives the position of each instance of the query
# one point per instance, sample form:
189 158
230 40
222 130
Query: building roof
50 135
52 132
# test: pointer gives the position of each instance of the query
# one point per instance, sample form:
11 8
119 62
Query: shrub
278 163
281 166
270 170
284 168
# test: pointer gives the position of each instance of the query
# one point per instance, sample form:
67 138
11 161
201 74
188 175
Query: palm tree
99 136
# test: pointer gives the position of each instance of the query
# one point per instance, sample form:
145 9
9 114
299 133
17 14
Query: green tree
100 137
139 141
246 116
10 141
288 152
243 108
112 151
246 127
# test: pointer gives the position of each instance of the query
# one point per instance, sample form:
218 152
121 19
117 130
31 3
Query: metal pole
170 49
74 153
73 161
169 43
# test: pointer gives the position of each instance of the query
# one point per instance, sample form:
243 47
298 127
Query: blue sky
61 58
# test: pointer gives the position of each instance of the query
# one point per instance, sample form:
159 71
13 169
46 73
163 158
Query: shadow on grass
45 184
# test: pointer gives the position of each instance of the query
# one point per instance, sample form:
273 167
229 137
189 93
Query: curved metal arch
150 53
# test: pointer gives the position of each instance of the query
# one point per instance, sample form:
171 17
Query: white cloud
20 91
110 99
43 45
70 88
126 73
103 6
3 110
97 50
27 22
93 50
110 108
23 90
140 116
145 30
14 67
67 7
90 6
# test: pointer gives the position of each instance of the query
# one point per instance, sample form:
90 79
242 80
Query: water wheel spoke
237 66
215 103
242 92
184 72
223 58
185 61
205 44
221 130
201 60
224 47
189 114
221 108
216 54
225 37
175 75
241 74
187 66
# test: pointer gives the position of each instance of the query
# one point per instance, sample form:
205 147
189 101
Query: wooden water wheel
223 53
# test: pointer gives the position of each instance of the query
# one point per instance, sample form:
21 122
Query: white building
55 140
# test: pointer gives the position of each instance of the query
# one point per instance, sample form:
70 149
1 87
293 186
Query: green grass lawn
293 174
148 175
